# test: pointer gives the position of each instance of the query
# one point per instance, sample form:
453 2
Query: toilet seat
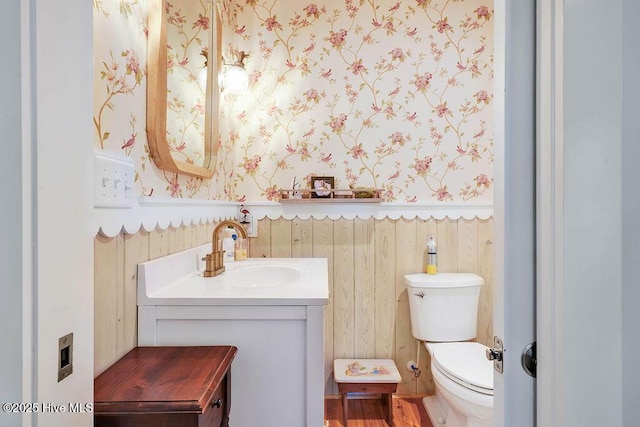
466 364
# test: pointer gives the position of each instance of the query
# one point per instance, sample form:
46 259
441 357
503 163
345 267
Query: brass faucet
214 260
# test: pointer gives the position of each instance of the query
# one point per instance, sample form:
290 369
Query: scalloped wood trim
149 213
391 210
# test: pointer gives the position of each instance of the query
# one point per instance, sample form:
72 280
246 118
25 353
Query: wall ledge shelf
334 195
333 200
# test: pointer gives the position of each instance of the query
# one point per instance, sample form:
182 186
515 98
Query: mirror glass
182 92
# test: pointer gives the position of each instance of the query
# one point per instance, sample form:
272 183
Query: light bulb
202 79
236 79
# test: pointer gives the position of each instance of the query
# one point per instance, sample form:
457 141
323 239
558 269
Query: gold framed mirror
182 115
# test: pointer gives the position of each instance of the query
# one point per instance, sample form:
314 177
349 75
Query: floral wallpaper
120 57
386 94
187 35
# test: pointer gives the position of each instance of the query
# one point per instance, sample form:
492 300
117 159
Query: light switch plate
113 177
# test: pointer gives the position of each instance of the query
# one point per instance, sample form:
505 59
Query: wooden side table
366 376
166 386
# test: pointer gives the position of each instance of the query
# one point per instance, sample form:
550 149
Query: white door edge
549 213
498 196
514 197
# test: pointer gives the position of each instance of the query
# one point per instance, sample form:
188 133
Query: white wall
11 212
61 50
630 215
592 232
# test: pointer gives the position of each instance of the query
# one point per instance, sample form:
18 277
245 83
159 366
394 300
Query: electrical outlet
249 224
113 177
252 227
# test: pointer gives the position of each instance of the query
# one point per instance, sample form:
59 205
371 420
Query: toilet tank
443 306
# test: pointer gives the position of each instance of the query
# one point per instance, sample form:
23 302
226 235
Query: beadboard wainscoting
116 260
368 311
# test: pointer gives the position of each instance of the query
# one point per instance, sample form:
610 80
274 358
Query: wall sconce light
236 79
203 73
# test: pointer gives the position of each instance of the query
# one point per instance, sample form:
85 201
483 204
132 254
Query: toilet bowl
464 385
443 310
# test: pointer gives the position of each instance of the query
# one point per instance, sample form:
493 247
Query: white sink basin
261 276
178 279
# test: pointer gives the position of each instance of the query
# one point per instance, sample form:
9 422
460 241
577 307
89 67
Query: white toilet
444 313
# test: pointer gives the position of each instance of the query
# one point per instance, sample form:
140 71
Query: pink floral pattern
122 74
386 94
337 39
187 23
117 81
413 119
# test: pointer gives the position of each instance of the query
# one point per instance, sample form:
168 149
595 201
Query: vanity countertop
177 279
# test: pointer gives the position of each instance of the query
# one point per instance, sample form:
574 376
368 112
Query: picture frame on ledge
323 186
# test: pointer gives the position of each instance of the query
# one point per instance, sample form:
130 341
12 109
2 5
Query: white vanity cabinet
277 377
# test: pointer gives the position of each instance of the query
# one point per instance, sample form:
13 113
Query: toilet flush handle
421 295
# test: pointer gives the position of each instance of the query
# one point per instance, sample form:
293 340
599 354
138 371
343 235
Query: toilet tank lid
443 280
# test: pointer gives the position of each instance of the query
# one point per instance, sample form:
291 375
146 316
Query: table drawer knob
216 403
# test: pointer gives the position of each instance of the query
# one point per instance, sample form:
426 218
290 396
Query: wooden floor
407 412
